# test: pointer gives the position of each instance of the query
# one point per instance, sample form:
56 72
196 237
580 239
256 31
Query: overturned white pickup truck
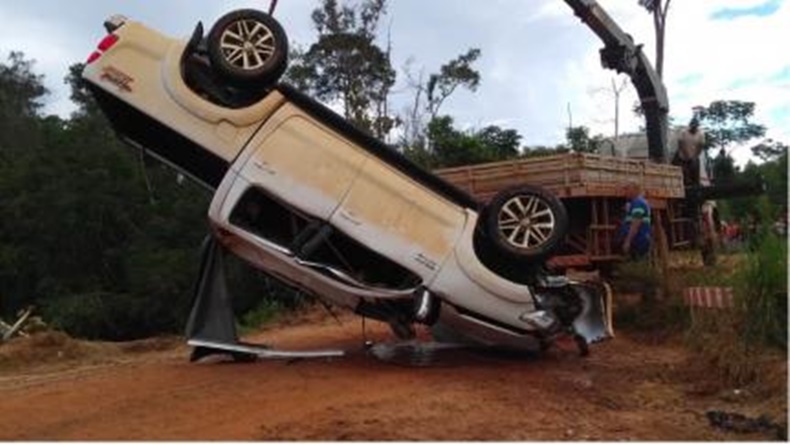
305 196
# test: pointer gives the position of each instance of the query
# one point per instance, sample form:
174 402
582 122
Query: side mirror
197 37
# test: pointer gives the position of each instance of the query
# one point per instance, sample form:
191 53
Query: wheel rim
247 44
526 222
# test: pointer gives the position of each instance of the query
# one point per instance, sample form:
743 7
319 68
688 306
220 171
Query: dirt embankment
56 388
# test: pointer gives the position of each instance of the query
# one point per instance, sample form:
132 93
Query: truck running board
249 352
211 328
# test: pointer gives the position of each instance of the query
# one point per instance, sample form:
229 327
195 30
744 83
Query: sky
540 66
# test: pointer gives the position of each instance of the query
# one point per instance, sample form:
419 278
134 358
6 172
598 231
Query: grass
732 346
761 291
656 311
734 343
265 312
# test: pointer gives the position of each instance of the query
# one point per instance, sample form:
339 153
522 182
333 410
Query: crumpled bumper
594 324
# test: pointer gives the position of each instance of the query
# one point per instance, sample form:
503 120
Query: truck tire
525 222
248 48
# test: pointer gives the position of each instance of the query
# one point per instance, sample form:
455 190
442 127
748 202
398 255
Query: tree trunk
660 29
660 26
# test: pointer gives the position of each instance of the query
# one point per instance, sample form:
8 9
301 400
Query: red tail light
93 57
106 43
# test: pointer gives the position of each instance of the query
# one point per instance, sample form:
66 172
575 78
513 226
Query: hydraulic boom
620 53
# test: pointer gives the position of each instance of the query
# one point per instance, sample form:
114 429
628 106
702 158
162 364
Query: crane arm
621 54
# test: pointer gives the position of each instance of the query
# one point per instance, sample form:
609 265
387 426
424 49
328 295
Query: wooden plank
564 261
662 247
709 297
18 325
571 174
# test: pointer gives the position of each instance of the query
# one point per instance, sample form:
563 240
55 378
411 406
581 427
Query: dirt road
626 390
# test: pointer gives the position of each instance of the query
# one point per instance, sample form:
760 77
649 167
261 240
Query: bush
715 337
761 291
266 311
109 316
651 312
734 344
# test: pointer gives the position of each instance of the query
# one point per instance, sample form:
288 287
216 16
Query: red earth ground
55 388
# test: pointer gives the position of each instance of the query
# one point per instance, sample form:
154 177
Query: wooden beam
18 325
662 246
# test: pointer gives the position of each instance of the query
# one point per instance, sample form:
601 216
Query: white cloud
705 59
537 57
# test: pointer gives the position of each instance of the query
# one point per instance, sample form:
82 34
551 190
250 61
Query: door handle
265 166
350 217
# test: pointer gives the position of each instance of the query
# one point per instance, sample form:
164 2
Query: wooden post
5 327
18 325
662 248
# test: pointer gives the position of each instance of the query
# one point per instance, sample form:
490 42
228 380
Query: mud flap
594 324
212 316
211 328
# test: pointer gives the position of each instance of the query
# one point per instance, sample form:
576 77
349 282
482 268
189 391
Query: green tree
21 95
103 240
452 75
451 147
346 64
430 95
773 173
724 169
769 150
500 143
728 122
580 141
542 150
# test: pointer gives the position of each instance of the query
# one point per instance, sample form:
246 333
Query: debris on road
9 331
739 423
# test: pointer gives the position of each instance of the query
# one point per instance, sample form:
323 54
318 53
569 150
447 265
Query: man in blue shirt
635 228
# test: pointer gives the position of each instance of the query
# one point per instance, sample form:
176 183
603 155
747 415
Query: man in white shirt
690 144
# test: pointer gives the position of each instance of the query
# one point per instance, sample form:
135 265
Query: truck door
404 220
301 163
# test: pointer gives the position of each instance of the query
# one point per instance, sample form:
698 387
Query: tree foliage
452 75
451 147
430 95
773 172
724 170
346 65
102 240
770 150
728 122
580 141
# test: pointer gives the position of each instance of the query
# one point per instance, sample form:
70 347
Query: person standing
635 228
691 142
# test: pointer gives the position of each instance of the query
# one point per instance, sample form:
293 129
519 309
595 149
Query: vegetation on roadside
735 344
105 243
265 312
